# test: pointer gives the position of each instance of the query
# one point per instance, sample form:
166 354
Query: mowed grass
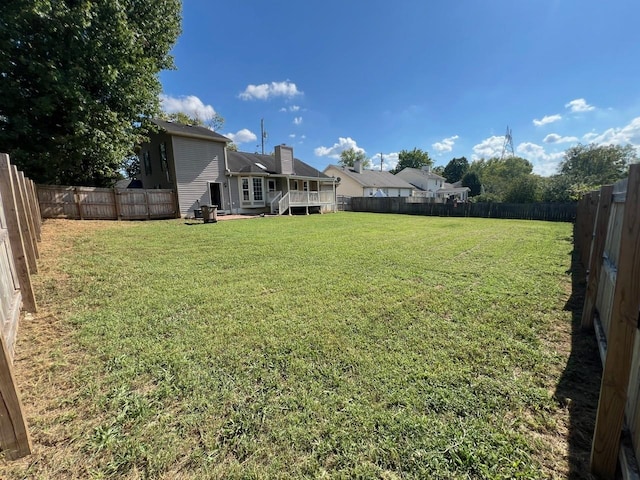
343 345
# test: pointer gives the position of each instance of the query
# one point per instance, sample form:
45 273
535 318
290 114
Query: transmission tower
507 147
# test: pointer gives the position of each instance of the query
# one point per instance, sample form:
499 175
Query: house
357 182
195 162
431 185
277 184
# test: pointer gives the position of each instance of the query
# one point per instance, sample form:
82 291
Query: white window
252 191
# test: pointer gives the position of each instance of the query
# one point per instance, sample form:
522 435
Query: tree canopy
215 123
350 156
498 175
472 181
455 169
596 164
416 158
78 79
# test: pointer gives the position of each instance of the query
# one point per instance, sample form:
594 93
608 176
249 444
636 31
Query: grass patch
346 345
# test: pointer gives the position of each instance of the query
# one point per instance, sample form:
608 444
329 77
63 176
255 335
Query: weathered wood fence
555 212
20 225
91 203
607 234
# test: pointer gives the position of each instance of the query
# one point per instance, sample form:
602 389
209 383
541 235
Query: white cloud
446 145
543 163
588 137
547 119
389 161
579 105
629 134
292 135
265 91
555 138
292 108
242 136
335 150
189 104
297 120
303 136
488 148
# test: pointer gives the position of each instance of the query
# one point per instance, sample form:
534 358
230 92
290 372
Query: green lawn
346 345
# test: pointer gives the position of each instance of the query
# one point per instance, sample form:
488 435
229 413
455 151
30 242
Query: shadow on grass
579 386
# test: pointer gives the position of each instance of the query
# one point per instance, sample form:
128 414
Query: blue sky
444 76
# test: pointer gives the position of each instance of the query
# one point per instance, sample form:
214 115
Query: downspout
227 173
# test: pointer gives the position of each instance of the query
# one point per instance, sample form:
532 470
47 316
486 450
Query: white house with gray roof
432 185
358 182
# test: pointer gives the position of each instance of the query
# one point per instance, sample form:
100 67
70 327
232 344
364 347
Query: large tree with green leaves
350 156
455 169
596 165
472 181
498 175
78 79
416 158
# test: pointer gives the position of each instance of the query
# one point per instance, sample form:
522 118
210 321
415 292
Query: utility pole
263 134
381 161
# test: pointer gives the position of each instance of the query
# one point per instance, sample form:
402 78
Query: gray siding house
187 159
195 162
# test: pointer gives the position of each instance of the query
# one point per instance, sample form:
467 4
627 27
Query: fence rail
91 203
555 212
607 234
20 226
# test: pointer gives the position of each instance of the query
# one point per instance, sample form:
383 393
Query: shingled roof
373 178
193 131
242 162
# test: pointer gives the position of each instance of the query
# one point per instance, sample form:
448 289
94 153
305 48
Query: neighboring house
195 162
357 182
431 185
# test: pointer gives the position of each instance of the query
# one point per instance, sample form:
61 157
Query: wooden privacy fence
612 305
91 203
20 225
555 212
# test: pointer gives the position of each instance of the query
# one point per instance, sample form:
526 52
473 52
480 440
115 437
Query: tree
78 80
472 181
349 157
416 158
523 190
455 169
215 123
497 175
594 165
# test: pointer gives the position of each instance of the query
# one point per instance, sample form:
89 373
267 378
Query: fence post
621 338
29 242
76 197
595 261
146 202
116 202
33 202
14 435
15 236
38 212
27 206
